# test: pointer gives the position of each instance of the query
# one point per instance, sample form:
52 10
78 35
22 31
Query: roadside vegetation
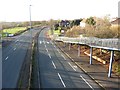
94 27
13 31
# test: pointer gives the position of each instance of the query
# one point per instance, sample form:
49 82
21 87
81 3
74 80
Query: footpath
96 71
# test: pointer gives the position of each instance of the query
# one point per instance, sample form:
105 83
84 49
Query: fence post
111 62
78 50
91 49
69 45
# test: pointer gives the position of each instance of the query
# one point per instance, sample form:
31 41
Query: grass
57 32
13 31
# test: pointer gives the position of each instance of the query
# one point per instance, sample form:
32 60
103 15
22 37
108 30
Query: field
14 31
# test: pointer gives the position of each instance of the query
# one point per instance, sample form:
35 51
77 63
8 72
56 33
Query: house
115 23
82 23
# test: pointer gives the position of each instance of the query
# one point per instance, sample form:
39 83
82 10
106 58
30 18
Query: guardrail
112 43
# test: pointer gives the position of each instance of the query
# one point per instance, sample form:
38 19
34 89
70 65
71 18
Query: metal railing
112 43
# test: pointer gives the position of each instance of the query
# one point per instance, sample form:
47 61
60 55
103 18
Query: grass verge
14 31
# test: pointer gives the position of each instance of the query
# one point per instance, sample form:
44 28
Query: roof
117 21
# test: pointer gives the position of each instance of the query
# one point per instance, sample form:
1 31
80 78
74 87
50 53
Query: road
56 70
13 57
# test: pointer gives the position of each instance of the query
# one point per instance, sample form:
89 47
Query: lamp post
30 23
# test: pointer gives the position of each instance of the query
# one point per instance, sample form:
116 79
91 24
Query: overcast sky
18 10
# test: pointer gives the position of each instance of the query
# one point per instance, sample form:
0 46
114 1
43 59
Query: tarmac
97 71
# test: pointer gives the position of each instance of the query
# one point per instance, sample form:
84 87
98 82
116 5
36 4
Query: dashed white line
54 64
87 82
54 46
46 49
63 56
61 80
6 58
45 46
40 42
14 49
49 55
72 66
52 43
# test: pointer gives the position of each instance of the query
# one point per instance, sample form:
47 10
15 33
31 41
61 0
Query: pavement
96 71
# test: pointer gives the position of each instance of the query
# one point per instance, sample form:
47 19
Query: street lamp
30 23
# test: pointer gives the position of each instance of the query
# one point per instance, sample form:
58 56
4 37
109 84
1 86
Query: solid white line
72 66
38 80
87 82
45 46
61 80
49 55
63 56
54 64
14 49
6 58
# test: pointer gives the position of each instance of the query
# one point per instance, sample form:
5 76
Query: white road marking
39 79
44 42
6 58
45 46
49 55
46 49
14 49
54 64
58 50
63 56
54 46
47 42
72 66
52 42
87 82
61 80
40 42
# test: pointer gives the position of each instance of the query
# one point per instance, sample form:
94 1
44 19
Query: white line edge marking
87 82
39 79
49 55
63 56
72 66
6 58
54 64
61 80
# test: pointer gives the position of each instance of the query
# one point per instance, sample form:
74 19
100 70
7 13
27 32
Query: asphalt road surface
13 57
56 70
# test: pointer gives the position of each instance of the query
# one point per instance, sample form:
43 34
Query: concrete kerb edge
81 68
